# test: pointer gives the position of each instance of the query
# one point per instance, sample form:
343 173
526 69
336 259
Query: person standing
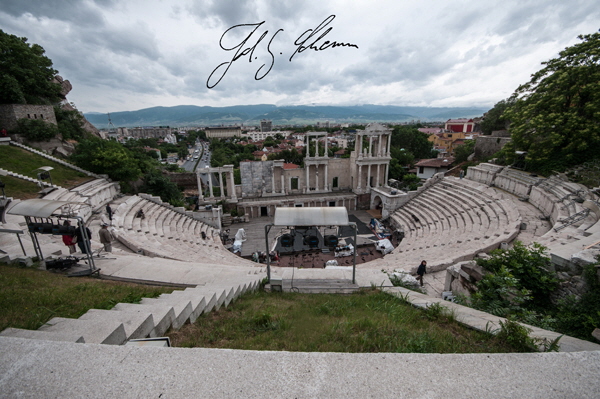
84 243
109 212
68 239
106 237
421 270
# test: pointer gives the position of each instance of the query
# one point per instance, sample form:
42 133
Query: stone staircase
151 318
5 172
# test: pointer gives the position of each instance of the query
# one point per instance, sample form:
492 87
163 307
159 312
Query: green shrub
529 266
36 129
579 317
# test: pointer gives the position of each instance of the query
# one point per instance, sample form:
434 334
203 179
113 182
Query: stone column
327 178
199 180
370 146
359 186
325 153
221 184
273 179
389 144
387 171
307 146
379 138
282 180
378 173
359 144
210 186
307 188
232 178
369 177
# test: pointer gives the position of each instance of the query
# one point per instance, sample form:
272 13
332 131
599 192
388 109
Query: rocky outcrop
87 126
65 85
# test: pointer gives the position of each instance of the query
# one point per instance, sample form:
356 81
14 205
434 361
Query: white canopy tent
46 209
310 217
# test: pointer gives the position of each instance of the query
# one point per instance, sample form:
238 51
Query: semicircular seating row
95 192
557 199
451 221
168 234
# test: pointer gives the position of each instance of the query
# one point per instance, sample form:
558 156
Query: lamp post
45 173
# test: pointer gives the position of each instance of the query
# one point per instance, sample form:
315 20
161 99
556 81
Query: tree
555 116
413 141
156 183
462 152
110 157
26 73
70 124
495 119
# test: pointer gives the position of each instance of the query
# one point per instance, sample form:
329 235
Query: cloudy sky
132 54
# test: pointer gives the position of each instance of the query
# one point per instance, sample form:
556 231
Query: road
204 155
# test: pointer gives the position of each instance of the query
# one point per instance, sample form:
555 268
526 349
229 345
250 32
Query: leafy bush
36 129
70 124
579 317
517 336
529 266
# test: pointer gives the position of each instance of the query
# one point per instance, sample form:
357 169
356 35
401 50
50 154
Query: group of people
72 241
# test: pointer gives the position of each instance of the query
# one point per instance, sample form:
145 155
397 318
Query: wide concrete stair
151 318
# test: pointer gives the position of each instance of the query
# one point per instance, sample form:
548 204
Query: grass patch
19 188
368 321
24 162
30 297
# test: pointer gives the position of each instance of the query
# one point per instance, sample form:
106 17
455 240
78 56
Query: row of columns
377 181
379 145
229 181
307 171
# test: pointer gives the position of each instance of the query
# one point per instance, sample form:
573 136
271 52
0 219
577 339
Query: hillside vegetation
18 160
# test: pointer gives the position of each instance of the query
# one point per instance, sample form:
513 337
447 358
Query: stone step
163 315
110 332
42 335
182 307
136 324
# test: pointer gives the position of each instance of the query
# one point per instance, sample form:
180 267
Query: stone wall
11 113
257 178
186 180
486 146
340 168
483 173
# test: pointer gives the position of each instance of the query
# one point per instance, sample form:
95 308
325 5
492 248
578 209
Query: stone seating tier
170 234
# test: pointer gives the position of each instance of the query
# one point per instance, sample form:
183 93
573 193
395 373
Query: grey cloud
225 12
134 39
63 10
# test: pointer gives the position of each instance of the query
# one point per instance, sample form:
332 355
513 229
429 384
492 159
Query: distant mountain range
192 115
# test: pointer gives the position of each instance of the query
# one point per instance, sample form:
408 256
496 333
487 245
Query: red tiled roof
288 166
435 162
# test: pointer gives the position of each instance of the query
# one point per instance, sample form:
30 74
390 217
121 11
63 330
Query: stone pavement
46 369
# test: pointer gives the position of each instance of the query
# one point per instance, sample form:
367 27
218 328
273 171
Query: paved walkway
487 322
